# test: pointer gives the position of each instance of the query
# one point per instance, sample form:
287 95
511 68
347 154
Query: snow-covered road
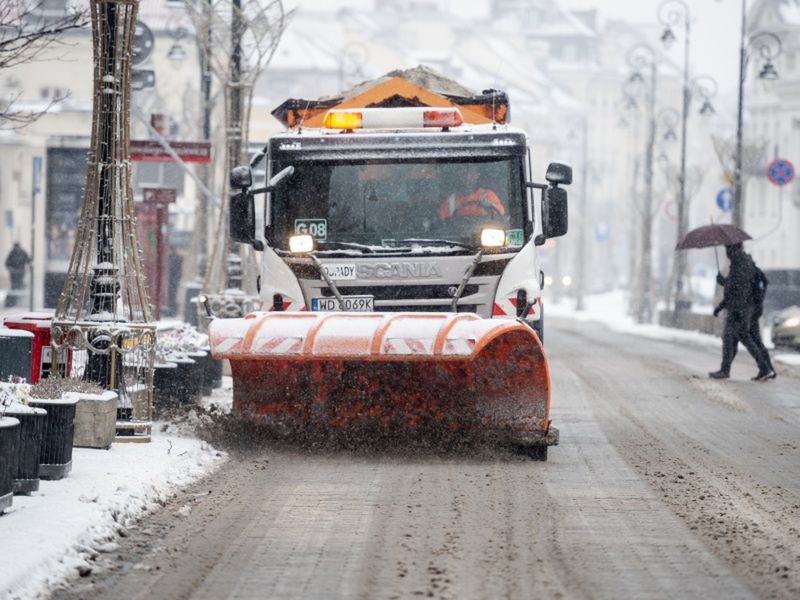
666 484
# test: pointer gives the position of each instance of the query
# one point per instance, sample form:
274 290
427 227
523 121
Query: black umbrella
716 234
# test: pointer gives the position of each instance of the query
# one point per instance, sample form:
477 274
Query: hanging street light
769 47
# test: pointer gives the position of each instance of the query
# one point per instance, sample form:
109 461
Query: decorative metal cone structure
102 328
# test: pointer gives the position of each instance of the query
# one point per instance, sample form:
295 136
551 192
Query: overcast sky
716 26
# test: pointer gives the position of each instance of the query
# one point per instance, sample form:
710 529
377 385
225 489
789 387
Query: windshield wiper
350 245
435 242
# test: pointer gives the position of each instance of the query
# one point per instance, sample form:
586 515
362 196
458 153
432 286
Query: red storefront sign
153 151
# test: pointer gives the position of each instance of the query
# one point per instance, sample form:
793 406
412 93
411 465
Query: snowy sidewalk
610 309
54 533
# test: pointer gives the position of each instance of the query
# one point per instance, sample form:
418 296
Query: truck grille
401 292
428 308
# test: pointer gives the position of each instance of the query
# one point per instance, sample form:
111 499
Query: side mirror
243 218
558 173
241 177
554 212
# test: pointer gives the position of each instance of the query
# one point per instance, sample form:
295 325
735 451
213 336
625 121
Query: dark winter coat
739 284
17 259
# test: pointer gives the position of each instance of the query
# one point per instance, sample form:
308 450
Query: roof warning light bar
390 118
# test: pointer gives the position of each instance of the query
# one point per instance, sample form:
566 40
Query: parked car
786 328
783 290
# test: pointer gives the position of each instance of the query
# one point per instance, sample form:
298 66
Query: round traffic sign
725 199
780 171
143 41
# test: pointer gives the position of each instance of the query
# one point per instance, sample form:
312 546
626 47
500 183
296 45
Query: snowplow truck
399 277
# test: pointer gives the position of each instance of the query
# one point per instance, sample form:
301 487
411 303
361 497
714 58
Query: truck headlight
492 238
301 243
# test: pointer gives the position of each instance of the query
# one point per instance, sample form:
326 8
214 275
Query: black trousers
741 325
17 279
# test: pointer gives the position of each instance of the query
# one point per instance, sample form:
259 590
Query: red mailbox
38 323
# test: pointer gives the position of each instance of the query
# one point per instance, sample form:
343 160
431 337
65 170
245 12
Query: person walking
743 299
16 263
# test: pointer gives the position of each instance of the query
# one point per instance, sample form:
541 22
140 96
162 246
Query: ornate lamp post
103 318
768 46
642 58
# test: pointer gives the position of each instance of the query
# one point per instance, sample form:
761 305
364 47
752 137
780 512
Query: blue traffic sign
780 171
725 199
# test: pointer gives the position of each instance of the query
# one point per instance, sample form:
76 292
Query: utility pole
205 170
738 191
235 129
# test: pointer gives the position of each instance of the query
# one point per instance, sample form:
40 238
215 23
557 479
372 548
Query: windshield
375 205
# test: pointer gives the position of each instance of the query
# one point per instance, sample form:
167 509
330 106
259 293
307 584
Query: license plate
351 304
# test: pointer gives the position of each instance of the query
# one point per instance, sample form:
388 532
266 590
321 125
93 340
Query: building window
158 175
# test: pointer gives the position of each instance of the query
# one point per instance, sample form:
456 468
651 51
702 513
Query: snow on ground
54 533
221 399
611 309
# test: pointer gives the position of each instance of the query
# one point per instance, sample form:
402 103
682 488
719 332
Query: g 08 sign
316 228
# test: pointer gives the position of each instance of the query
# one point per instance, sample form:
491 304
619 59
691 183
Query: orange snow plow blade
393 371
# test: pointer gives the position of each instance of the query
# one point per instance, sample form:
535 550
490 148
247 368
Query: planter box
208 373
55 458
8 455
165 383
29 444
95 419
188 384
200 359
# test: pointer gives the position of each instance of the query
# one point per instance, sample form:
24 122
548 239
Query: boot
765 375
721 374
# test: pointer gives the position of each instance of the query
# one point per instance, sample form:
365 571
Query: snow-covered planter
181 345
165 383
8 455
95 419
28 448
14 396
188 384
55 456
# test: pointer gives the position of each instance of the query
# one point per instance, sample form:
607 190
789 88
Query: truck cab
401 210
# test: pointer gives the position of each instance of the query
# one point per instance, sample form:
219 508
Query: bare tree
237 40
27 30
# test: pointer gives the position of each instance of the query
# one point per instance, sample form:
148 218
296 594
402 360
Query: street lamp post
769 47
672 13
641 57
